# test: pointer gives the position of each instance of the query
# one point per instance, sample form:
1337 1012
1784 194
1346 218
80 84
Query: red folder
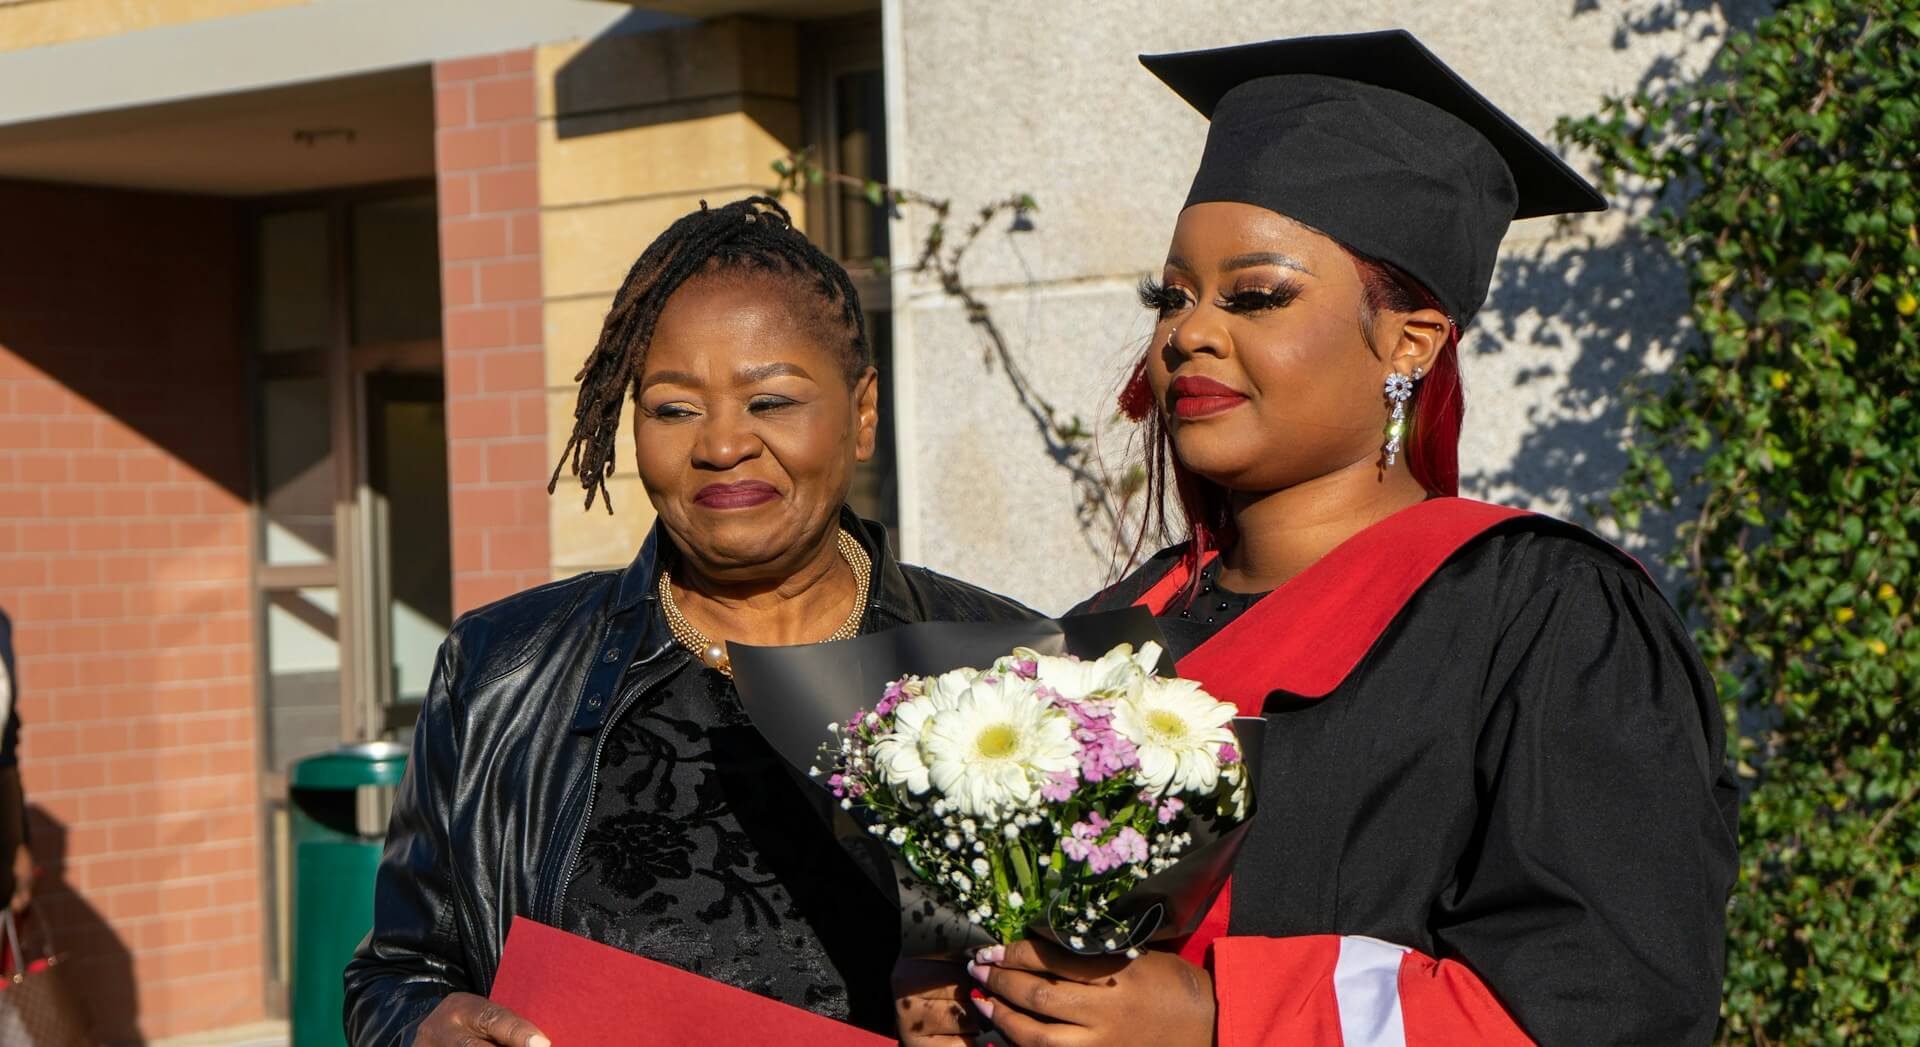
584 994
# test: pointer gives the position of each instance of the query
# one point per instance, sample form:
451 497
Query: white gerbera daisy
898 754
1117 673
989 751
1178 730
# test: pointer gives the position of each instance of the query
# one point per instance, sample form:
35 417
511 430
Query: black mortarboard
1372 140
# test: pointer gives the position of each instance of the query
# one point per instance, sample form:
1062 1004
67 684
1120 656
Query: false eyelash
1256 300
1159 297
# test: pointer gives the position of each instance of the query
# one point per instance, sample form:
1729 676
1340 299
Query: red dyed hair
1433 445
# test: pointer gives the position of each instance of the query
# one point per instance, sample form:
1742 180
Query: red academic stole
1308 635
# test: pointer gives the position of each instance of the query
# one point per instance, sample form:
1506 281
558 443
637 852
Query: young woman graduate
1494 807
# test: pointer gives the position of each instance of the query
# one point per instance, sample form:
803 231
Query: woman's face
747 432
1258 362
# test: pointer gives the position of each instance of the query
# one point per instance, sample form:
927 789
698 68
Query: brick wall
123 565
486 145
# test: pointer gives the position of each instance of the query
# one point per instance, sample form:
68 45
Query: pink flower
892 696
1167 810
1058 788
1129 847
1229 753
1026 669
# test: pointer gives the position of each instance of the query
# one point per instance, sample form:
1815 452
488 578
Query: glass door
352 572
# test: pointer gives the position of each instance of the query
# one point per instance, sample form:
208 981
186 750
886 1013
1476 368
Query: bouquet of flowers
1047 777
1043 789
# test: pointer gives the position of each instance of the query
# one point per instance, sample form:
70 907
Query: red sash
1307 636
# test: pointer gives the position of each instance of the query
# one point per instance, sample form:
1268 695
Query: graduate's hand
1041 995
466 1020
930 1004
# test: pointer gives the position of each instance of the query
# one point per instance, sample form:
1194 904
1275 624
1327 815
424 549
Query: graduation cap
1372 140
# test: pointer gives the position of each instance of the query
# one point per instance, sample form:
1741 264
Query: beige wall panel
572 327
588 250
727 56
39 23
676 148
588 538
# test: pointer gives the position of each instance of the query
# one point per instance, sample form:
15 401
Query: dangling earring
1399 390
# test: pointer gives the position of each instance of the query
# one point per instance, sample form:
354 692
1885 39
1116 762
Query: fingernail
992 954
979 973
539 1041
984 1006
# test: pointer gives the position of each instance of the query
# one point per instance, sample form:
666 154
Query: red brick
517 280
475 590
78 434
469 238
479 418
513 371
51 468
99 537
77 572
173 501
124 502
518 462
485 327
507 98
456 286
471 149
462 374
98 467
20 503
46 537
524 238
469 550
530 416
95 603
529 324
510 189
521 143
466 464
452 106
22 434
23 572
455 69
485 508
455 194
517 61
517 549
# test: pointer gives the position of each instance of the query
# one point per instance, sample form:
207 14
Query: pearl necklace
714 653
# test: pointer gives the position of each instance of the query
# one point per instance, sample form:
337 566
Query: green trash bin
337 802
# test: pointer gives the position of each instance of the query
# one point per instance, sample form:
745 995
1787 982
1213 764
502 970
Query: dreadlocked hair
753 235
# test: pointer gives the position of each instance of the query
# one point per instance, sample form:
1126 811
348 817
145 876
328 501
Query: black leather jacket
487 822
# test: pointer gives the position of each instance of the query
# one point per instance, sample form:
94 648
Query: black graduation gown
1494 805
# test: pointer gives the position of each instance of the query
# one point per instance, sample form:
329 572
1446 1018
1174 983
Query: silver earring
1399 390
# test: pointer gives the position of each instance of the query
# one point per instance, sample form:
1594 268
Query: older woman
582 758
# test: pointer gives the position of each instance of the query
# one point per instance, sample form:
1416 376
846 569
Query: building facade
292 293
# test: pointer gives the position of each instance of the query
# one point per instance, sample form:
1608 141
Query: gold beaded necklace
714 653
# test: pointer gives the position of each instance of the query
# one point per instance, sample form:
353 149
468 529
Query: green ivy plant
1101 500
1788 435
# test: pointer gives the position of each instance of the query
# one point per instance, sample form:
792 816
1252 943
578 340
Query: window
844 96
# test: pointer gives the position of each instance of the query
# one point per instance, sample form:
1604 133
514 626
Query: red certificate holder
583 994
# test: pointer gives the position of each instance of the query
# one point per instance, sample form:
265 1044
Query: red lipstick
1198 397
743 494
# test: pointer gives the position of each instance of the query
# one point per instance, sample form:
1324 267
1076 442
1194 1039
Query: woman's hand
930 1001
1045 996
466 1020
23 874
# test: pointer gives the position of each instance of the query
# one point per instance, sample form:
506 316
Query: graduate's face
1259 364
748 431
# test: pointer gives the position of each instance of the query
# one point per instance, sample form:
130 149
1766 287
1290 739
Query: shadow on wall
101 303
99 965
649 69
1609 308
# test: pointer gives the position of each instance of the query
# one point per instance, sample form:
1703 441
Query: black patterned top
705 852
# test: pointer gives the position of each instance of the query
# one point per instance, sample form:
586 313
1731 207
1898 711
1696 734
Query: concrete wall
998 96
634 132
